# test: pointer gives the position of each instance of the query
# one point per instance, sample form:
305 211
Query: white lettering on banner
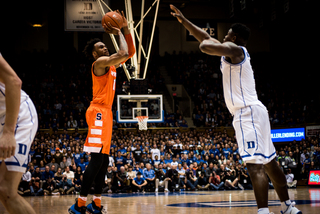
211 31
299 134
287 135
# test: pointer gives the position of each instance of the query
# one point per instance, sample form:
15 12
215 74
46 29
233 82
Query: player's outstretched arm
211 47
114 59
197 32
12 93
208 44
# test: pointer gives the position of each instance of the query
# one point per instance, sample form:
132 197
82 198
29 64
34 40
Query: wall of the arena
172 37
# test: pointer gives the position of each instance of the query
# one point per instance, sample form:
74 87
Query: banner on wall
83 15
285 135
311 131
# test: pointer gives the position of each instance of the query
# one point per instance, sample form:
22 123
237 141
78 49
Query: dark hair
241 31
89 47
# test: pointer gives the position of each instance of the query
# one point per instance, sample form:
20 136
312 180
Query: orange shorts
100 121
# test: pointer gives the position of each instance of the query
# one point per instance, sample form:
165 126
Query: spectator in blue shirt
226 151
216 150
46 174
77 157
205 151
199 160
150 176
123 151
168 159
119 161
138 169
184 151
82 164
129 160
139 183
162 153
190 159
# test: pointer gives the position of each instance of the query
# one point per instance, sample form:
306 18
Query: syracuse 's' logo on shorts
99 116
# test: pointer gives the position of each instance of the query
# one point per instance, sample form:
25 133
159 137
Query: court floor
239 201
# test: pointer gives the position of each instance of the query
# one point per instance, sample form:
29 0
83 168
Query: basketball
114 18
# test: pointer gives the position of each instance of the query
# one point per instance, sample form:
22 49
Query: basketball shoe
94 209
291 209
74 209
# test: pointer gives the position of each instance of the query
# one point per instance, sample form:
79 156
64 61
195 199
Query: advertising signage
284 135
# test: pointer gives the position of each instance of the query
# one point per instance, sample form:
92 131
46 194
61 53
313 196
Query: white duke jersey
24 97
238 83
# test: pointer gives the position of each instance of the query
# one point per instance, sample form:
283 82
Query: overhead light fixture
37 25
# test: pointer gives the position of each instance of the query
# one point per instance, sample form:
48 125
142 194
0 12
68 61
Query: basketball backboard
131 106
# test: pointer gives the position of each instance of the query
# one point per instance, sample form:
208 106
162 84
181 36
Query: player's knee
4 192
255 170
7 192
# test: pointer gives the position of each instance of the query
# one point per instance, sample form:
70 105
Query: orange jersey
99 114
103 87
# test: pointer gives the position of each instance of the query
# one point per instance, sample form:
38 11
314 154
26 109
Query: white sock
83 198
285 206
95 197
263 210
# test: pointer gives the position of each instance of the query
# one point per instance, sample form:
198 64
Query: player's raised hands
108 28
177 13
125 22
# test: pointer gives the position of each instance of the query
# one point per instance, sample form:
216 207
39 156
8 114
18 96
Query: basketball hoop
142 121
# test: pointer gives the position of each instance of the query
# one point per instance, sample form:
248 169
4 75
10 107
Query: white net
143 122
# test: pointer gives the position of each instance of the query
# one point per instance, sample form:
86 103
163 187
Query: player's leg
279 182
260 184
12 201
89 176
278 179
246 123
99 181
271 167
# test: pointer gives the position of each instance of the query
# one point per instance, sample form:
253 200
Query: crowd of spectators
167 160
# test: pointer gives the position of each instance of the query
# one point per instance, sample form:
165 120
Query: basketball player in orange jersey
99 113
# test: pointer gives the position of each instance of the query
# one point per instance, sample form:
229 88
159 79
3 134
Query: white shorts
253 134
26 128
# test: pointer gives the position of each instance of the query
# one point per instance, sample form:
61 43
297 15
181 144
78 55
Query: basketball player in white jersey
18 126
250 116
